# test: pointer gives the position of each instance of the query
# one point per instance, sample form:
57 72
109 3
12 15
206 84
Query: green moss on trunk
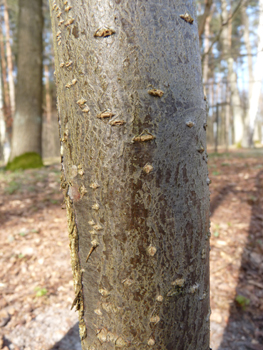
27 160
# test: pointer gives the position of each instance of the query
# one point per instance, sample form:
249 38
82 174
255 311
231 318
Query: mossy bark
132 120
27 125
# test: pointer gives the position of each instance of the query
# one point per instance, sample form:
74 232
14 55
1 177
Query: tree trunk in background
236 104
245 20
206 47
6 103
48 96
3 137
9 60
234 98
134 171
204 17
248 48
4 77
254 85
226 47
28 117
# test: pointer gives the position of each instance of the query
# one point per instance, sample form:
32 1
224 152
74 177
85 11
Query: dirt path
35 284
236 252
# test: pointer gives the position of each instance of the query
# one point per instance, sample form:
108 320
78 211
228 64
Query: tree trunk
204 17
206 47
236 104
28 117
6 101
3 136
48 96
233 95
226 47
132 122
254 85
9 60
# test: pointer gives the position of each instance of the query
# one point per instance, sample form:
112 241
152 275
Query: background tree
9 60
229 76
132 122
255 90
28 116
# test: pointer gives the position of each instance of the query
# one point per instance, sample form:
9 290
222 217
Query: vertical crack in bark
75 262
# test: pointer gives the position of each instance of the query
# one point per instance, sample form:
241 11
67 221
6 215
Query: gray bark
134 171
28 116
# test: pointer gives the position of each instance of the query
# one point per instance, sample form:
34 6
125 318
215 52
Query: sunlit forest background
36 290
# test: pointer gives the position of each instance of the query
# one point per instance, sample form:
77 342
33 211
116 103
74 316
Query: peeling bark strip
134 172
75 263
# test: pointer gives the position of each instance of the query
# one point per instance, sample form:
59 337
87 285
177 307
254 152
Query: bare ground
36 287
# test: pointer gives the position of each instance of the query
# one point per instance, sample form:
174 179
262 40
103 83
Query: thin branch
217 37
203 19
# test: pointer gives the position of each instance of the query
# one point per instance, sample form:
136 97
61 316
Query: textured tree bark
28 116
132 122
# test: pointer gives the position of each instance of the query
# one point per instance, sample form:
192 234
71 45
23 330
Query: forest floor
36 289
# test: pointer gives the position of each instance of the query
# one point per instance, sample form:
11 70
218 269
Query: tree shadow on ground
244 330
70 341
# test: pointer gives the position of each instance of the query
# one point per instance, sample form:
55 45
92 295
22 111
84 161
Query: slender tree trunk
3 137
233 96
28 117
6 103
245 20
4 76
236 104
226 47
9 60
249 50
206 47
48 96
204 17
254 85
257 83
132 123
